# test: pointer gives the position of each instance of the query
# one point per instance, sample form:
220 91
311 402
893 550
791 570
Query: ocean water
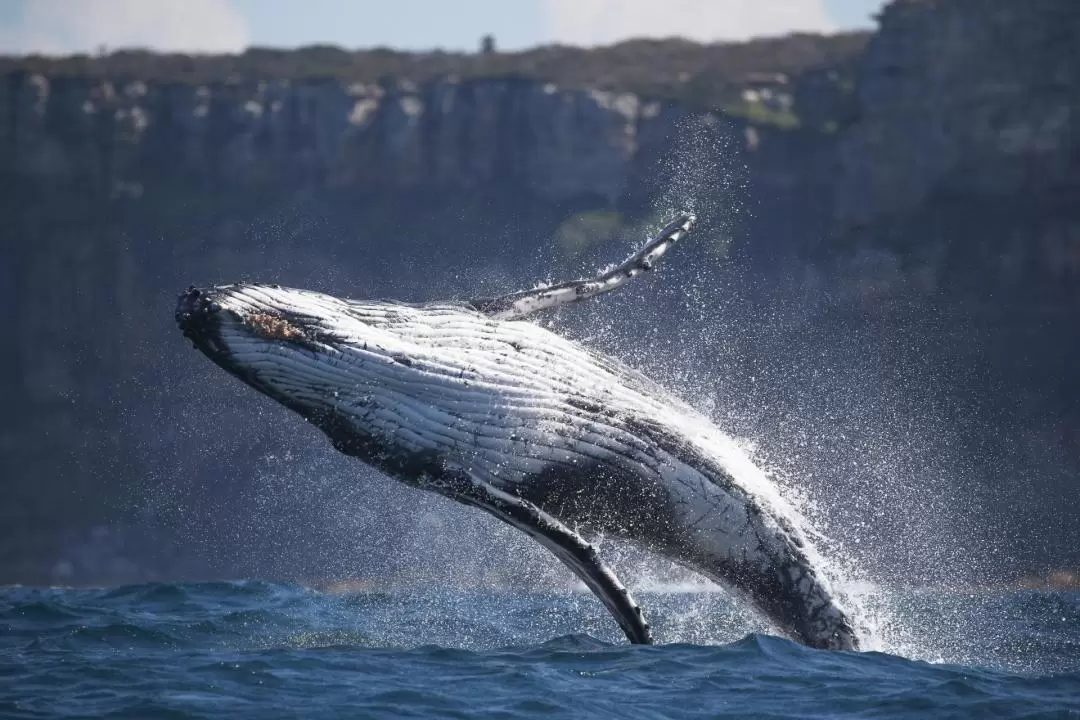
264 650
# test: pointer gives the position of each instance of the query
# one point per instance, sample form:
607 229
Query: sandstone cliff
964 97
122 138
968 129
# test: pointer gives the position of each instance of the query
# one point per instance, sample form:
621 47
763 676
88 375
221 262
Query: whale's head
314 353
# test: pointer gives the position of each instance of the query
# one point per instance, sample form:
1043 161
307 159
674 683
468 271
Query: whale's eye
275 327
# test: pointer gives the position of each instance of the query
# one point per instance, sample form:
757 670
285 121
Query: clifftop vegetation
695 74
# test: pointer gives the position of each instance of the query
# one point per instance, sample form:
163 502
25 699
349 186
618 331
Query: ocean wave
258 649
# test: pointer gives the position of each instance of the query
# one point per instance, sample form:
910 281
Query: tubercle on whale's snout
194 308
191 303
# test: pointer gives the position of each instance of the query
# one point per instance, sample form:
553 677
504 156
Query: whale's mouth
200 314
266 346
279 349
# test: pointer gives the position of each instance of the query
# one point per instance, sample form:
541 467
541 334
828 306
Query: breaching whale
468 400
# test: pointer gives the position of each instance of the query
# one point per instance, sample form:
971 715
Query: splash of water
856 441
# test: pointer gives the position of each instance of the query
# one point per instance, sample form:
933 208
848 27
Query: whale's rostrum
470 401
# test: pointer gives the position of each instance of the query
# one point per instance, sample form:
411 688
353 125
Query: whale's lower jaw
523 424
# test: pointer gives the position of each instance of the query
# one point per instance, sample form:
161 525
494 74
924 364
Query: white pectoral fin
572 549
520 304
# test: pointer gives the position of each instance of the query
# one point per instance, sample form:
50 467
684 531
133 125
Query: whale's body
539 431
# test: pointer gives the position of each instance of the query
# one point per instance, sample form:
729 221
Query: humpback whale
472 401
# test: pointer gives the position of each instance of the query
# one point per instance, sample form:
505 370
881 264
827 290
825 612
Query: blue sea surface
265 650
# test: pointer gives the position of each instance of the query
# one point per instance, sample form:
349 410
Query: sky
57 27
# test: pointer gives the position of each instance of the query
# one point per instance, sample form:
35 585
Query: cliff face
963 98
120 137
936 197
965 154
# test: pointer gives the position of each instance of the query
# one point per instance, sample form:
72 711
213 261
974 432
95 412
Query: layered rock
963 98
461 134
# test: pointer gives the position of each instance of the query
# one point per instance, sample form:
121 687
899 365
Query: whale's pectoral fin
522 303
572 549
